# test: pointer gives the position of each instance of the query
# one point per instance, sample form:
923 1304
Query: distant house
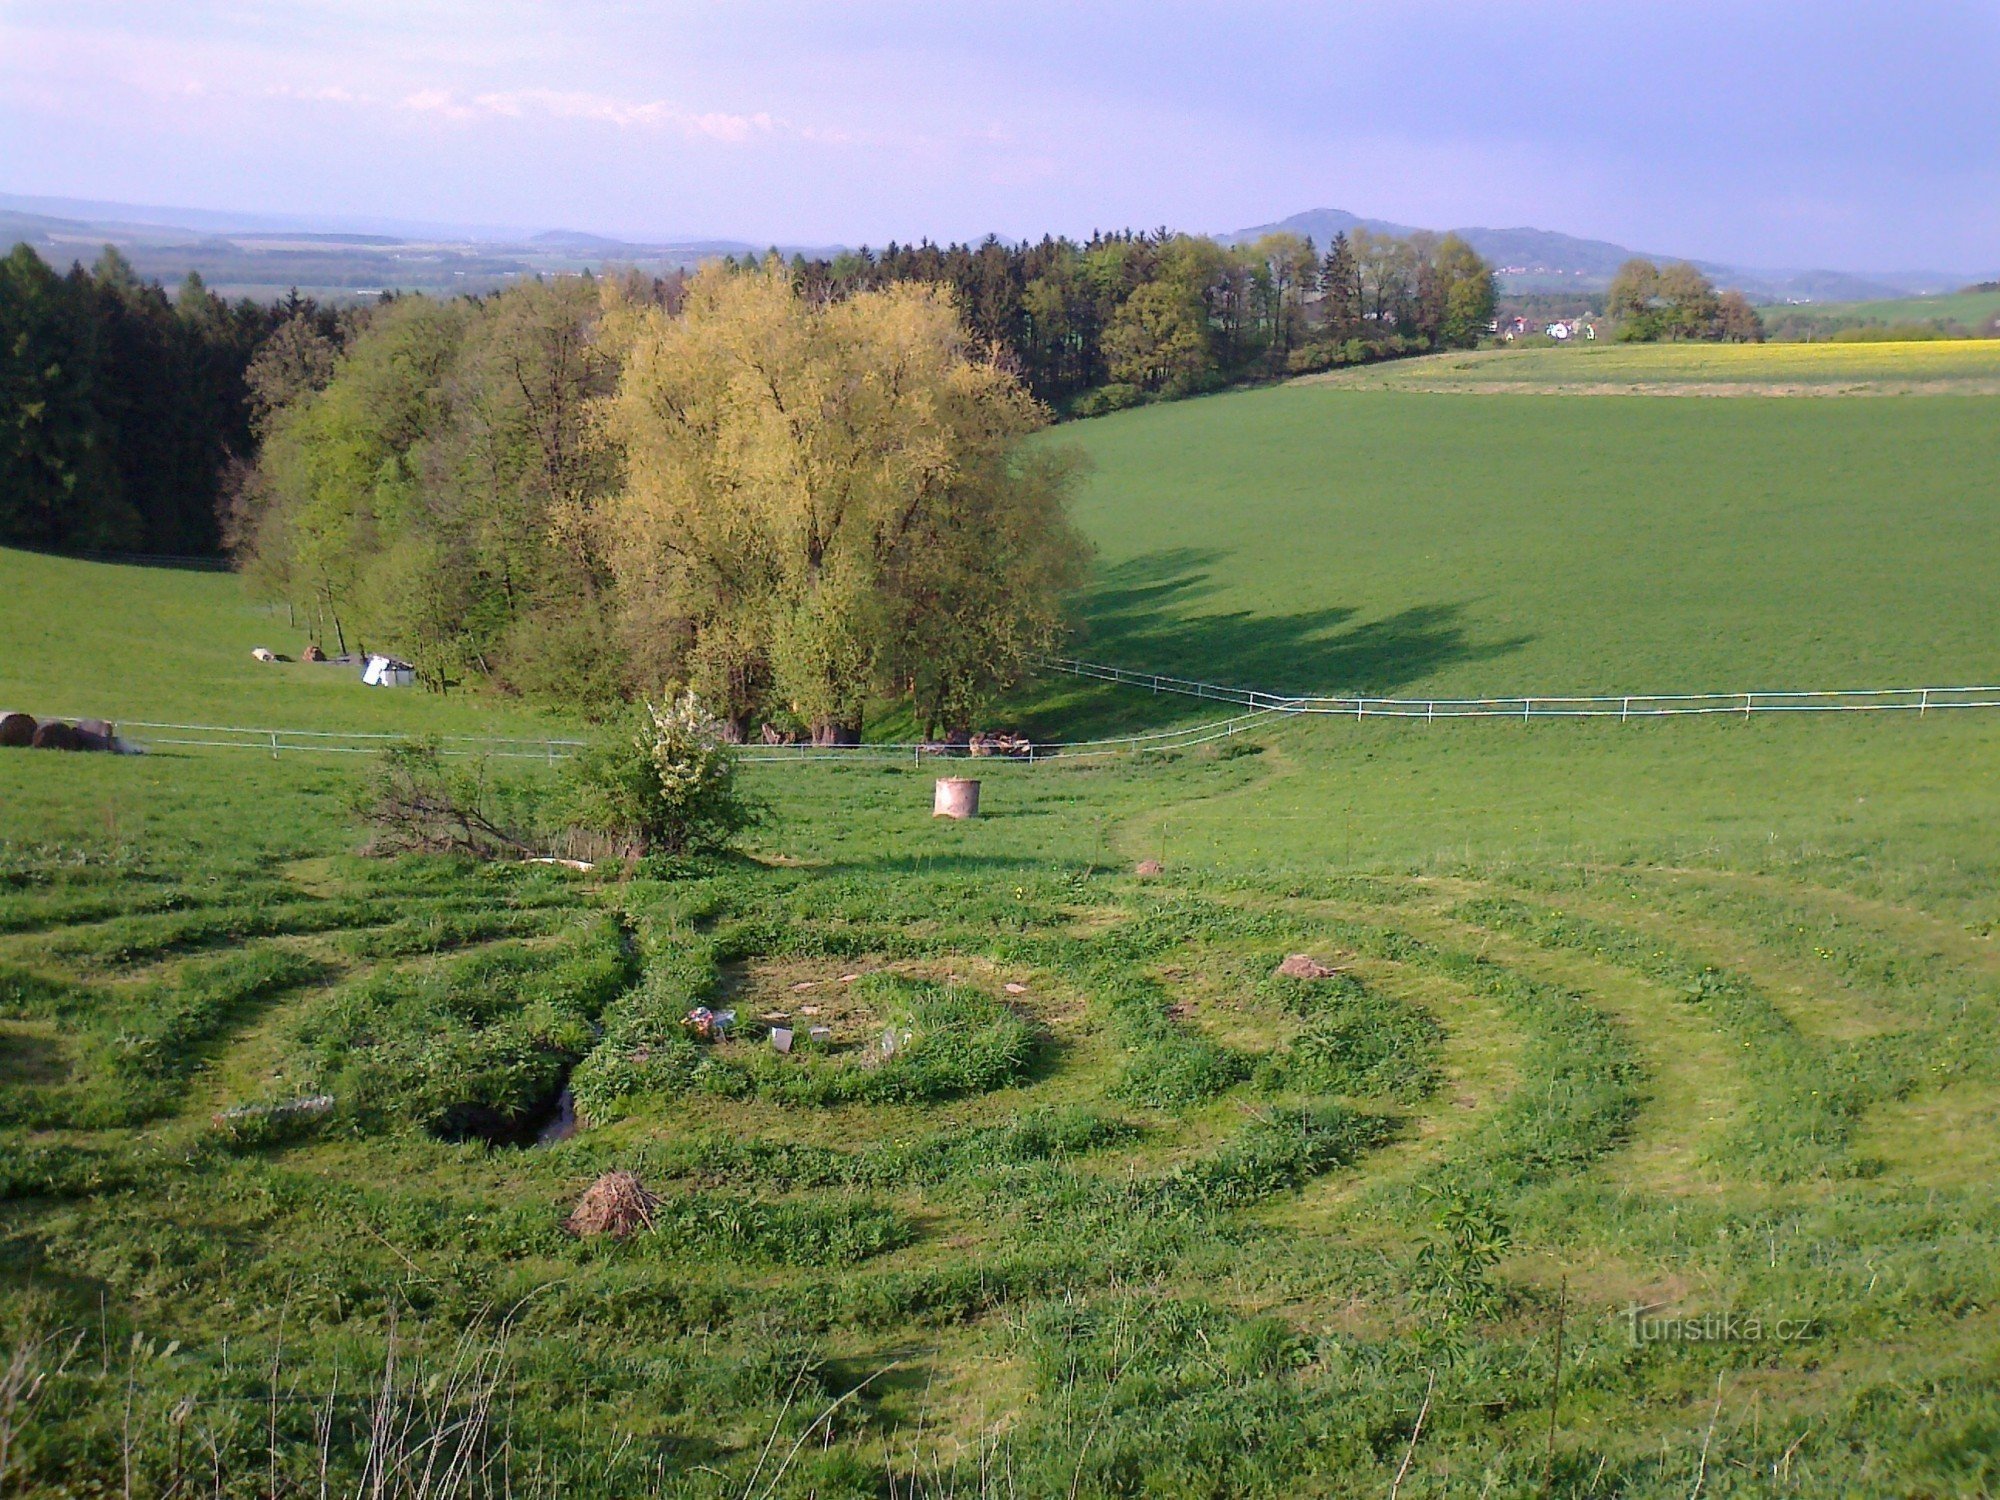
387 671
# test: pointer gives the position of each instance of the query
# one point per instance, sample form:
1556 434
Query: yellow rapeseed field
1943 366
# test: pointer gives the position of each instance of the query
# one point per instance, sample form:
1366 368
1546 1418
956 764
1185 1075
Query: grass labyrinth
1670 1043
1116 1167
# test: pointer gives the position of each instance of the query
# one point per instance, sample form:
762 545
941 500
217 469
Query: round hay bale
312 653
956 797
616 1204
17 731
96 734
56 735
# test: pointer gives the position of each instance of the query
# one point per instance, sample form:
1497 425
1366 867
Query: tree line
590 491
123 411
132 419
1127 316
1652 303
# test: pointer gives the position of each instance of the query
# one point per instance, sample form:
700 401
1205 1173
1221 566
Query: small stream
561 1123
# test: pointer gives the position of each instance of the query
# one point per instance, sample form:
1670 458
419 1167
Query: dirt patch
1094 921
1305 966
31 1053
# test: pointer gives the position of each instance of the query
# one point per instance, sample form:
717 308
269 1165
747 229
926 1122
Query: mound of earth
1304 966
616 1204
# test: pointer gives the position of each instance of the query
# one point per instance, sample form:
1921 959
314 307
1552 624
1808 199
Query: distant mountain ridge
264 255
1538 260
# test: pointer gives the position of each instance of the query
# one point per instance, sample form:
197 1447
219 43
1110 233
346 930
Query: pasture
1667 1045
131 643
1969 307
1315 539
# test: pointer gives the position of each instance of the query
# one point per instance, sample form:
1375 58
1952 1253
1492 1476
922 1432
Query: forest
123 410
135 416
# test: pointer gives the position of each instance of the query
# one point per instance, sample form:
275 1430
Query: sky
1848 135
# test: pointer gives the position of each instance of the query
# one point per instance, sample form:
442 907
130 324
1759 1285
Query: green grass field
1671 1042
87 641
1970 308
1315 539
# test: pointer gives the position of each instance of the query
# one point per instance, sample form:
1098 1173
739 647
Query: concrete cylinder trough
957 797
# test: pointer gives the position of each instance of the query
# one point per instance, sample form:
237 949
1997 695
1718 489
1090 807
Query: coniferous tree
1340 291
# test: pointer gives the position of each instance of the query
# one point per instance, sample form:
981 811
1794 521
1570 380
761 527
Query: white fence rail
1919 700
278 742
1258 708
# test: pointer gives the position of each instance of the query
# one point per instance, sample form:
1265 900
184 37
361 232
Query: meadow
1972 308
1313 539
169 644
1640 1142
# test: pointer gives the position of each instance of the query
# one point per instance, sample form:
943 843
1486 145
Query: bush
1105 399
566 656
665 781
420 804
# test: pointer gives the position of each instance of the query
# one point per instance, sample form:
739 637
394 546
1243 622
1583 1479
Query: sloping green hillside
95 640
1687 1021
1316 539
1972 308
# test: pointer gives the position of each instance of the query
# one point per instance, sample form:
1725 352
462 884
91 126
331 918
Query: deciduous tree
820 500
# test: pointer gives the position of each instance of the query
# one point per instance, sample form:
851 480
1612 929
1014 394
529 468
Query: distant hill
264 256
1539 260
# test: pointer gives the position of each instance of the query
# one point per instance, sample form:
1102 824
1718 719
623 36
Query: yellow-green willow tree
823 501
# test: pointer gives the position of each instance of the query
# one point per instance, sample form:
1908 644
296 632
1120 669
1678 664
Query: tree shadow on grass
1140 617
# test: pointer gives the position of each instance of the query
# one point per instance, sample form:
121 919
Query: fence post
1746 704
1924 703
1625 711
1430 710
274 744
1527 709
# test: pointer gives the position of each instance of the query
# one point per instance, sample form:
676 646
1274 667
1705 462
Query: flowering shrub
665 781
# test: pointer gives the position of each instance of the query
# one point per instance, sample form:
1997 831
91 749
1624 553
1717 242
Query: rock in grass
616 1204
315 1107
1150 867
1304 966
